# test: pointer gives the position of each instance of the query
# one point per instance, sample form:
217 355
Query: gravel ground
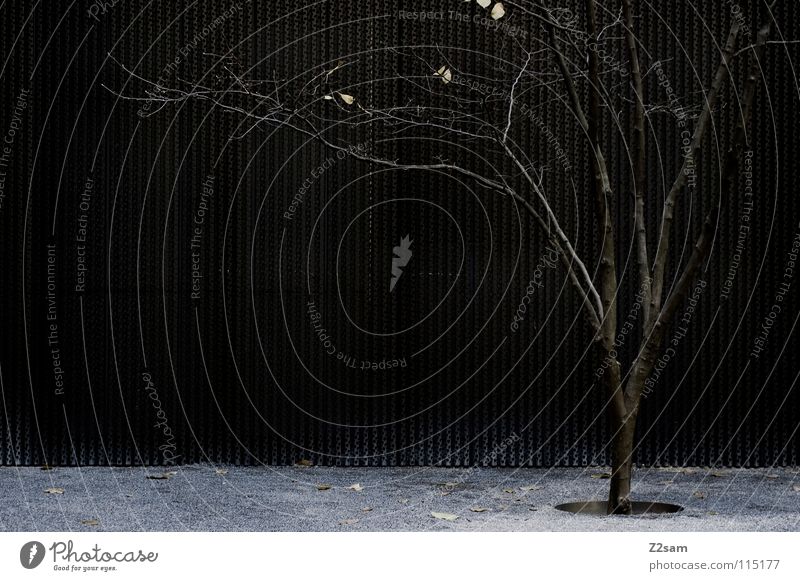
234 498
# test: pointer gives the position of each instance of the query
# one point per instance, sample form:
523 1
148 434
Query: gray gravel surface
234 498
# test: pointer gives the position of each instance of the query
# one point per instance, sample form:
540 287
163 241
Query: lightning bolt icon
402 255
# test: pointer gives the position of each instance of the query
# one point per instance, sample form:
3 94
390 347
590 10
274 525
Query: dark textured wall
120 364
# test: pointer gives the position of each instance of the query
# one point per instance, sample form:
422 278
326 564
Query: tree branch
660 263
602 182
652 343
603 193
596 313
511 96
639 161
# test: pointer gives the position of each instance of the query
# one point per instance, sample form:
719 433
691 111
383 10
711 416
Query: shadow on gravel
599 508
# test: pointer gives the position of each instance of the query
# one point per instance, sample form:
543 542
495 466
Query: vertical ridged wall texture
151 375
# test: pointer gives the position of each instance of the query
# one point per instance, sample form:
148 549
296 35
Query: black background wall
121 364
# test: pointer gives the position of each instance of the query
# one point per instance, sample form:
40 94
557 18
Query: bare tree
439 100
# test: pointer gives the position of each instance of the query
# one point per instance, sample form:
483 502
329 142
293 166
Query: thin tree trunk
619 497
622 424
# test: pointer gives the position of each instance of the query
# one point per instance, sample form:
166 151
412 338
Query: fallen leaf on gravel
678 470
162 476
508 490
90 522
699 494
348 521
601 476
323 486
712 513
796 487
403 501
304 463
366 509
357 487
220 472
448 485
772 476
46 467
530 488
532 508
53 490
444 516
479 509
719 473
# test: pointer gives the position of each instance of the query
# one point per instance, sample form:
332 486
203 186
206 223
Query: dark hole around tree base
600 507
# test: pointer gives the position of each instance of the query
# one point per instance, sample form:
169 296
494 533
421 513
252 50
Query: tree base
600 508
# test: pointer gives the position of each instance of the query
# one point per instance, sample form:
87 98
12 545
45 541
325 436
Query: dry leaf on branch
444 516
348 99
445 74
54 490
484 3
498 11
